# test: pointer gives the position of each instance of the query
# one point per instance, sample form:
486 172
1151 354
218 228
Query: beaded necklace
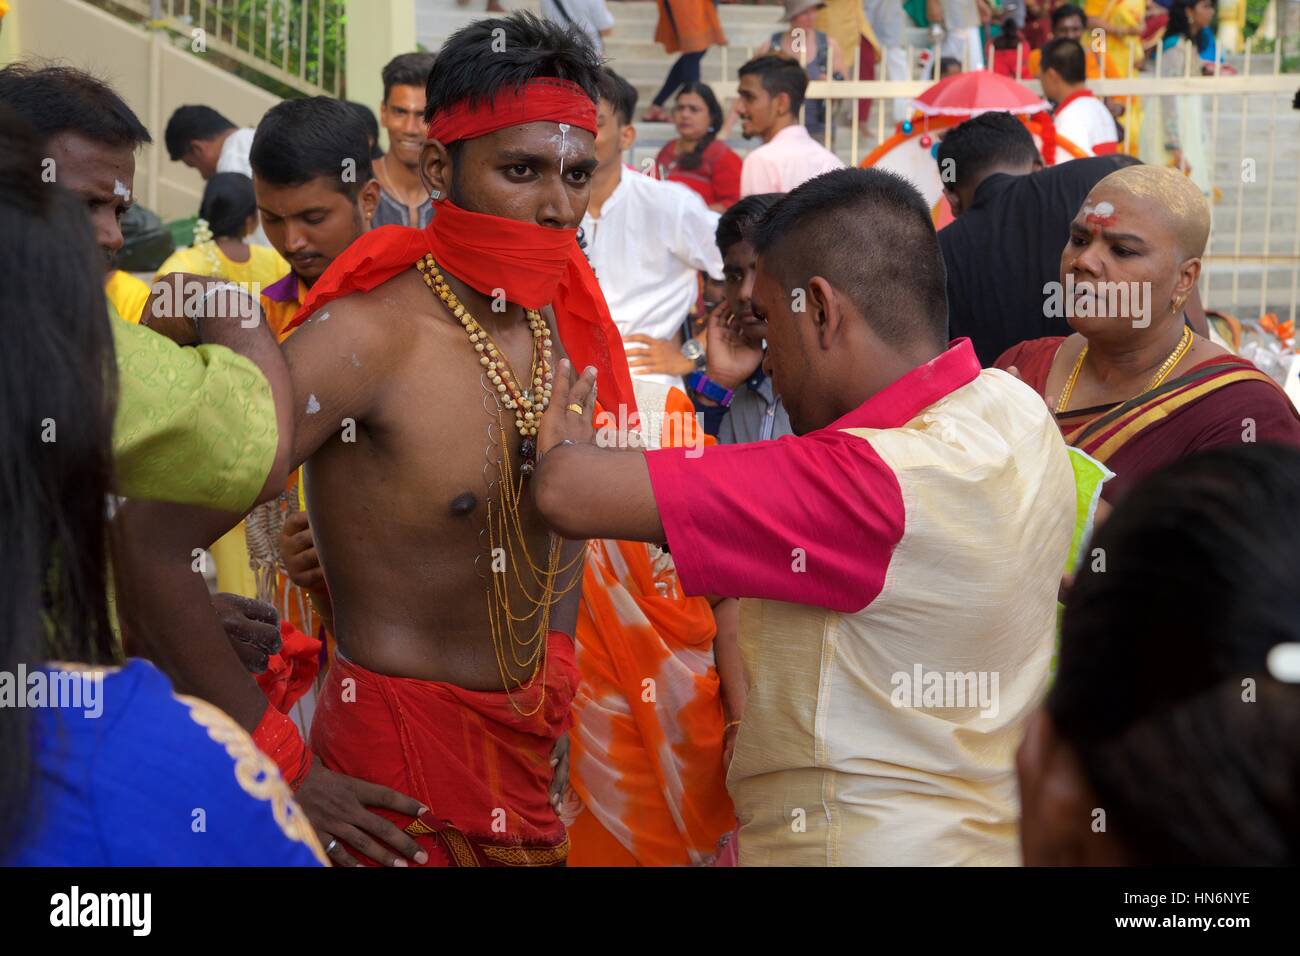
506 538
528 404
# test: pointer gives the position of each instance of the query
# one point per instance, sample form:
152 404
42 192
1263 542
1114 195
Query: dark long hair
1164 689
57 382
1009 39
1180 23
228 202
695 157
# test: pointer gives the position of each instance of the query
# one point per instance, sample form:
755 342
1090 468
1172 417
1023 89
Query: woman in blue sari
102 765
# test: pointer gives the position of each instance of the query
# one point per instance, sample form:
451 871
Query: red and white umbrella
979 91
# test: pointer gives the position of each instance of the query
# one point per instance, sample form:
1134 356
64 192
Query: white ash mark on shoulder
313 406
356 362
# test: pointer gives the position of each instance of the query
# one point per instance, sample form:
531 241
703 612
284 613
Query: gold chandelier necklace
507 542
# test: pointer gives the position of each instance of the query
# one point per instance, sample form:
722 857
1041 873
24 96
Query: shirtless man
455 665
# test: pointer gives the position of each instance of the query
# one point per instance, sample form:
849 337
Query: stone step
745 25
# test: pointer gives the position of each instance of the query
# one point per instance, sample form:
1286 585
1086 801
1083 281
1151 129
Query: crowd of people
720 513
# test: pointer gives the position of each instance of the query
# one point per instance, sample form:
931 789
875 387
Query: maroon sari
1222 401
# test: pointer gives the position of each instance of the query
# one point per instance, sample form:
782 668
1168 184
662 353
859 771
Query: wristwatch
694 351
702 384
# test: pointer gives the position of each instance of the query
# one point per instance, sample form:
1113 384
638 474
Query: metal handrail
223 33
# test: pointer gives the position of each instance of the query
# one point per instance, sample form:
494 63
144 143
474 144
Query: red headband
545 99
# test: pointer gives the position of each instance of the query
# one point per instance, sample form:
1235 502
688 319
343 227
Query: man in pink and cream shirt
771 92
897 558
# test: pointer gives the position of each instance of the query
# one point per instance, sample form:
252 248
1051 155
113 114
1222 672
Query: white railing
1252 264
298 43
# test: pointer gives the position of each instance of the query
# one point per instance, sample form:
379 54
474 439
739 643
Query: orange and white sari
646 746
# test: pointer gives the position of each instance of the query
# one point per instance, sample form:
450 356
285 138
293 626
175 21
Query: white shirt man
886 19
961 20
788 159
1084 121
592 17
647 245
234 153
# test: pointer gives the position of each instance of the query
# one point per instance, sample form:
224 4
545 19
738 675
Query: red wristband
277 737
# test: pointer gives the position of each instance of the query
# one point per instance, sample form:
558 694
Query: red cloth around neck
534 265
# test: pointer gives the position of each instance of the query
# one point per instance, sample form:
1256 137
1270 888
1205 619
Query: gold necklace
506 538
529 405
1184 343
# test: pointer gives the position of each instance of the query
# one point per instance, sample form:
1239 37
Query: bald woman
1135 387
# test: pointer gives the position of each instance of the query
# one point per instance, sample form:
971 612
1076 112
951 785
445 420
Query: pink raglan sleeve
757 176
811 520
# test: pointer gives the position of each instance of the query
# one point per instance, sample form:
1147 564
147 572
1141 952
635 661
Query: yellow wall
137 63
386 29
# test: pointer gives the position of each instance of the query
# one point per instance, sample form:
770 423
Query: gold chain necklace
528 404
506 538
1184 343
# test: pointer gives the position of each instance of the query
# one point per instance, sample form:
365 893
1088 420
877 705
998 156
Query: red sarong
481 768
